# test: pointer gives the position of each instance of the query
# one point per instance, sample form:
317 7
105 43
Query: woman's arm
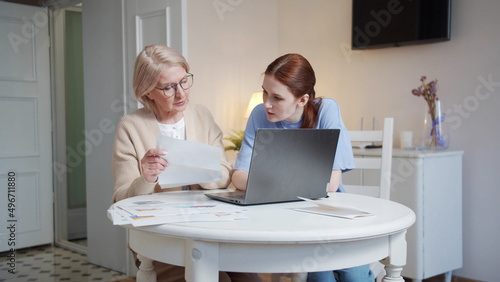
128 151
225 167
240 179
330 117
242 166
335 180
205 123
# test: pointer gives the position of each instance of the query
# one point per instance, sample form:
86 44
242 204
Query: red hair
294 71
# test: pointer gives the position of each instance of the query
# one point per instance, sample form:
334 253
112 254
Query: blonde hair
148 67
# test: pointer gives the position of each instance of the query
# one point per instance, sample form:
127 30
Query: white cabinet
430 183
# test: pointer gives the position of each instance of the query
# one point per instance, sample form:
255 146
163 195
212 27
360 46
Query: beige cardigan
136 134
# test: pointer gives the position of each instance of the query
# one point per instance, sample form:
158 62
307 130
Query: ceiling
47 3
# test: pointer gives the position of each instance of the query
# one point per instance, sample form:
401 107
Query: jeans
353 274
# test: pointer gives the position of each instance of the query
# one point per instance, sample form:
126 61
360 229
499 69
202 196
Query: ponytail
311 112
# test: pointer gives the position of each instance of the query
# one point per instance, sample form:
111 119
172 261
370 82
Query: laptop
287 164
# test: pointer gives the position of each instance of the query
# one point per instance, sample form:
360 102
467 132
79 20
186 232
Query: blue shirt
328 118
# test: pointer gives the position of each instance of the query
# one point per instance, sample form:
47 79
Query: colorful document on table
330 208
188 162
143 213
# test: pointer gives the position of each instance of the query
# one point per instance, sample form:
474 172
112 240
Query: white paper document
188 162
329 208
146 213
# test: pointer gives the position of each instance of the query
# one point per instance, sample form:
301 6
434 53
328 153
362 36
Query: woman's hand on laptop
240 179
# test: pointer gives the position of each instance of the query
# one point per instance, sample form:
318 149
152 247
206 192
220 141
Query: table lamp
254 101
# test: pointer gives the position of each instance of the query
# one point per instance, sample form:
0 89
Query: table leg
146 272
397 258
447 276
393 273
201 261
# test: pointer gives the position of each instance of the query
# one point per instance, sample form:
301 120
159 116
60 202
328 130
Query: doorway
69 134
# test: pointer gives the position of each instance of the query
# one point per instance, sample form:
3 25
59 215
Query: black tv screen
386 23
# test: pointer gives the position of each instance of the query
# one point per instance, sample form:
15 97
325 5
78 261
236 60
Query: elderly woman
161 83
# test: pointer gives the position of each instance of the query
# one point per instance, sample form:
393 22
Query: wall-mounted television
387 23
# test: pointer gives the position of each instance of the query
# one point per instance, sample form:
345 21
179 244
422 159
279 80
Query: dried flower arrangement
428 92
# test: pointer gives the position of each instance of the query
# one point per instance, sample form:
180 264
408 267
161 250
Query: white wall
229 45
377 83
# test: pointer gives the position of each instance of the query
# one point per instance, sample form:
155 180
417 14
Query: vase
435 135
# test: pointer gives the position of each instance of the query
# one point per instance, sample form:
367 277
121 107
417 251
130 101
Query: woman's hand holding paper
153 164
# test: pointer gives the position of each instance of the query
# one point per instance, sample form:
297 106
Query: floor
50 263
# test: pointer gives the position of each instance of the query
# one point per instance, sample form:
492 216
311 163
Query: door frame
57 18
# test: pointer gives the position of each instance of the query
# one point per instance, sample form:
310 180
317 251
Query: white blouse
177 130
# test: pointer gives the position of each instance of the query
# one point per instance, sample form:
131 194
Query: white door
25 128
150 22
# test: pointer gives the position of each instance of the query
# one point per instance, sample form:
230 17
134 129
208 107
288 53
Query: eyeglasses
170 89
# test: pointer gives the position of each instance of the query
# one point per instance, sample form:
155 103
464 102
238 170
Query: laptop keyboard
236 197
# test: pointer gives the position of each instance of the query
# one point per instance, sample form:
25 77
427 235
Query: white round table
274 239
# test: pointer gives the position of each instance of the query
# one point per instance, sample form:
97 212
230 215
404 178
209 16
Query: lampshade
254 101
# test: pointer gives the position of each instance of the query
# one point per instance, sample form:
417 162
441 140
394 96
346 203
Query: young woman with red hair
290 102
